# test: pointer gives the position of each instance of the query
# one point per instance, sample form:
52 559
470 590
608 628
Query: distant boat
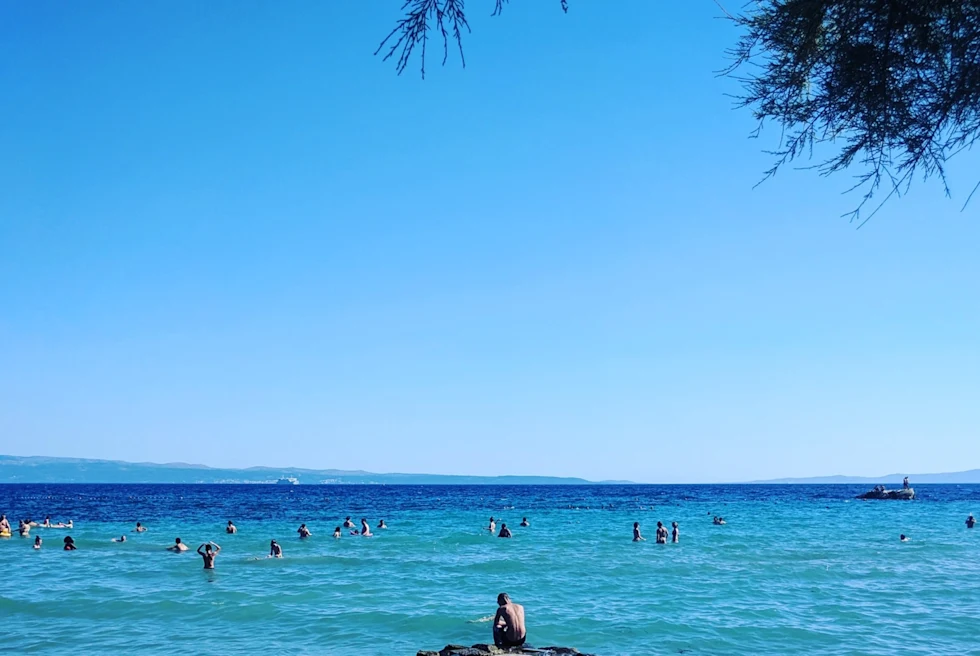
288 480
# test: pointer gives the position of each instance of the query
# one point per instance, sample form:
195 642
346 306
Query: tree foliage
446 18
892 86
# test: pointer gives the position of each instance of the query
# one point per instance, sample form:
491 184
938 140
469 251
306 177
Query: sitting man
508 625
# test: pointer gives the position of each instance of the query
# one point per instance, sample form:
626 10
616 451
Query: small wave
482 620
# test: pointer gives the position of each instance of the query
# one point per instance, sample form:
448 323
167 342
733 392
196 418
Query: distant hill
16 469
971 476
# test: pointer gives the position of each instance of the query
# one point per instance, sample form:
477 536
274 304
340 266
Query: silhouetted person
69 544
504 531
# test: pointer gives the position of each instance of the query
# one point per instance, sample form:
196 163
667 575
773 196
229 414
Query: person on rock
508 624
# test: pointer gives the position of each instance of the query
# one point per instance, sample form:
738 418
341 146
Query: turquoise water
795 570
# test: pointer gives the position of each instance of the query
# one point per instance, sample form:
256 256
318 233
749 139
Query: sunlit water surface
795 570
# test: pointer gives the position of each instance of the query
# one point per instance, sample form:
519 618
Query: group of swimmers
24 526
661 535
504 531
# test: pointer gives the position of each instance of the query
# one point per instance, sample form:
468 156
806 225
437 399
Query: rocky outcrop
905 494
492 650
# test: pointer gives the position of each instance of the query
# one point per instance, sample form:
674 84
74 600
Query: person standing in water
4 524
525 523
661 533
970 521
139 528
24 528
336 532
209 554
37 542
504 531
275 551
177 546
231 529
365 529
508 624
348 523
382 524
493 526
303 531
676 533
636 533
69 544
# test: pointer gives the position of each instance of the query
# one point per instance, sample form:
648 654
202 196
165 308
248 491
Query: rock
483 649
905 494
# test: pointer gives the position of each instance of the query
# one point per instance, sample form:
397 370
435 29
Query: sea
794 570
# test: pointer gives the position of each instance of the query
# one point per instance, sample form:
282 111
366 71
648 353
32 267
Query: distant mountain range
971 476
32 469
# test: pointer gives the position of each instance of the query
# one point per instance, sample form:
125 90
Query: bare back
510 618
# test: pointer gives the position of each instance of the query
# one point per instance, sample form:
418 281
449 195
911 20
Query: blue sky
230 235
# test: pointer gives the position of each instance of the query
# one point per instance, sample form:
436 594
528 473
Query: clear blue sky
230 235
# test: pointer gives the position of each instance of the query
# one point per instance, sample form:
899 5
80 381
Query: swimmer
336 532
275 551
525 523
903 538
970 522
209 554
719 521
69 544
504 531
365 529
37 542
121 538
231 529
676 533
303 531
139 528
493 526
177 546
661 533
636 533
382 524
24 528
348 523
47 522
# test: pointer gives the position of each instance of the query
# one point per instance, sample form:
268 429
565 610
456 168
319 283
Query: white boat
288 480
